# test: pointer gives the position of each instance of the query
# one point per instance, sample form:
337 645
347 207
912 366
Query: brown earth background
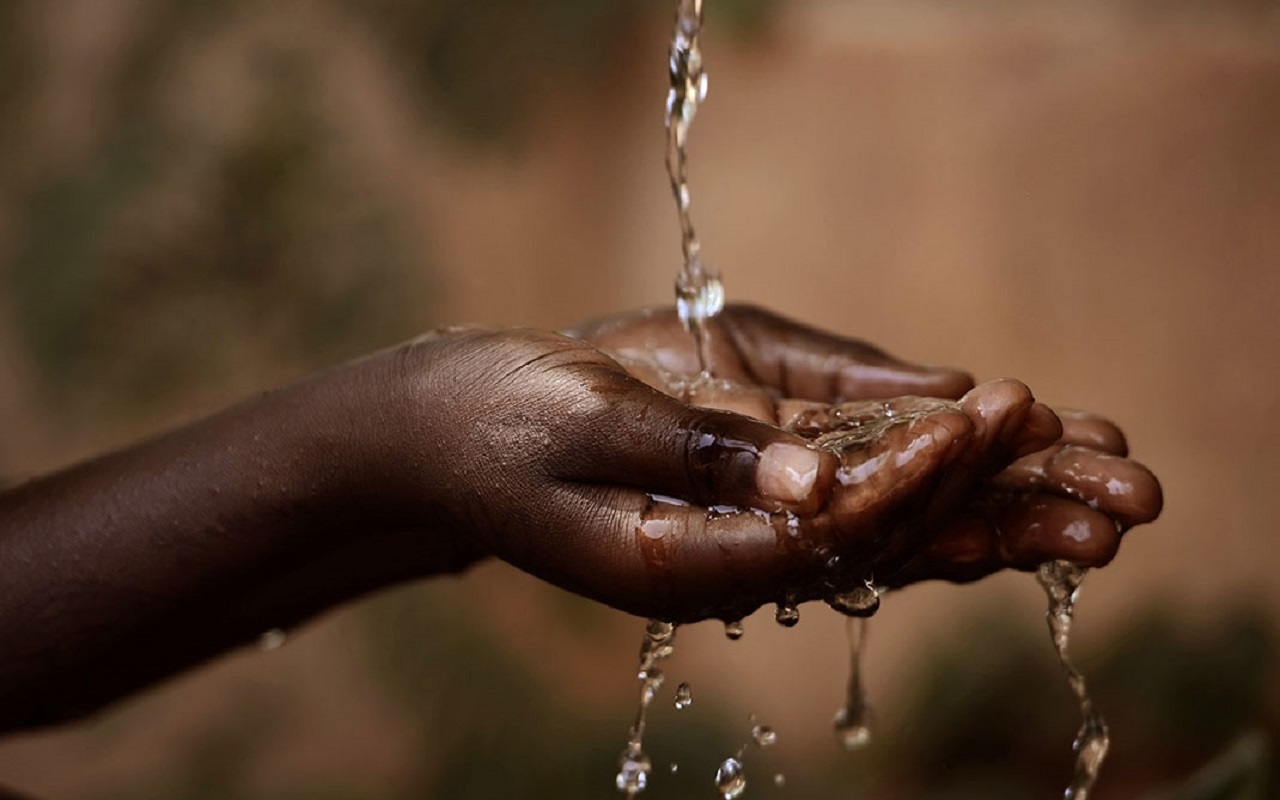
204 198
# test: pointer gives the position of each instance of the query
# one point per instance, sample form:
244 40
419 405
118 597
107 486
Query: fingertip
787 472
736 460
1040 428
947 382
1091 430
996 397
1044 528
1147 494
998 409
794 476
1123 489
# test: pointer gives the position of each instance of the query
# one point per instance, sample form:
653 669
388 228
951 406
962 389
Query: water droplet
684 697
861 601
730 779
852 728
650 682
656 529
787 615
659 641
733 630
779 780
674 768
793 525
719 512
633 771
273 639
699 299
764 736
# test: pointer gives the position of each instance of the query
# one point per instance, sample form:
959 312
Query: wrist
381 442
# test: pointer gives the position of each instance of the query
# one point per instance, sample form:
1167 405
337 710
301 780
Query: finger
656 336
909 465
996 411
806 363
965 550
887 496
999 414
650 374
901 465
855 422
1001 410
795 414
642 438
655 556
1118 487
1040 428
717 393
1091 430
1038 528
750 401
1020 532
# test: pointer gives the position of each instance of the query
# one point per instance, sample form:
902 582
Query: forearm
138 564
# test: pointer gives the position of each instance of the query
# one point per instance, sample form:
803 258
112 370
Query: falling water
634 766
853 722
699 292
1061 582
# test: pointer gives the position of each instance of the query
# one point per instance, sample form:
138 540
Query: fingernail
787 472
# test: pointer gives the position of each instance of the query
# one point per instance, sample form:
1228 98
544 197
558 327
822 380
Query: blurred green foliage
1242 772
159 261
478 65
489 728
990 718
993 718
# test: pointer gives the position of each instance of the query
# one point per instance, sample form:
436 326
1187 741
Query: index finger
810 364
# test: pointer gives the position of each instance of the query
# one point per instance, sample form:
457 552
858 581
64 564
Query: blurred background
200 199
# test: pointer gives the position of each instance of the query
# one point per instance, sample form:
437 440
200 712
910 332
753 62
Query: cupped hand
602 463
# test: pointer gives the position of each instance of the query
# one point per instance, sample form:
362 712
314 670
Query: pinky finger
1021 533
964 551
1090 430
1038 528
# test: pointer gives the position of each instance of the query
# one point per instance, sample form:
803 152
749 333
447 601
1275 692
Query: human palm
935 478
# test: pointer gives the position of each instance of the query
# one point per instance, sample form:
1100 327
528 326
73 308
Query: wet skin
587 459
921 489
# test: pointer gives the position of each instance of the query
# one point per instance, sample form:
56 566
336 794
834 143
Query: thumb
646 440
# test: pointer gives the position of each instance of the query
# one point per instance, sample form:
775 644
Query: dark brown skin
544 451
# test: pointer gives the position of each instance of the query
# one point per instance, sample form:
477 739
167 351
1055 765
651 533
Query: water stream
1061 583
699 292
699 297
